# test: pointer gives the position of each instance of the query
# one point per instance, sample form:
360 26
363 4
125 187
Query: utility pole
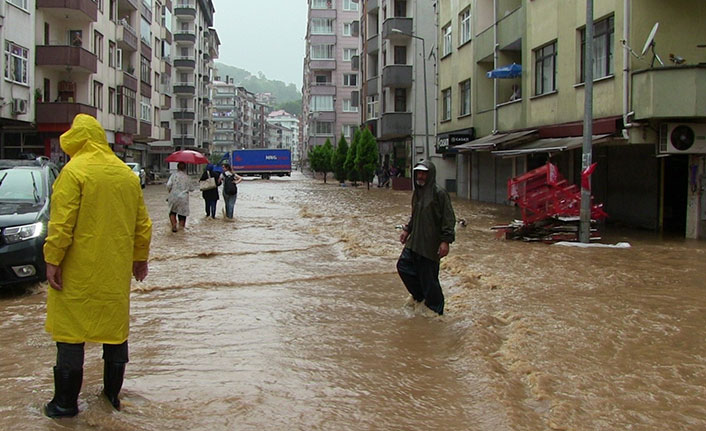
586 159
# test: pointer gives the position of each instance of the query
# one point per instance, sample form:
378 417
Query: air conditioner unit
19 106
682 138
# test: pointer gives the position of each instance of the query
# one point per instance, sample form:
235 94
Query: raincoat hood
85 135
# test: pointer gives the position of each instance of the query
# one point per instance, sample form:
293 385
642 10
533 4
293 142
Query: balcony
323 89
184 141
371 88
404 25
395 125
184 114
129 125
165 101
184 63
185 11
61 112
184 88
126 37
397 76
373 44
669 92
206 123
77 11
511 28
185 36
62 58
127 4
128 81
322 64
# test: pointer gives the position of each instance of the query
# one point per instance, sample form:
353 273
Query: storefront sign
447 141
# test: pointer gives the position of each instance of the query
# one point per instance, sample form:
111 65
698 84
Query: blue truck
265 162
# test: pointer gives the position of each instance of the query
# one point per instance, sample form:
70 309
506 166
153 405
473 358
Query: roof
548 145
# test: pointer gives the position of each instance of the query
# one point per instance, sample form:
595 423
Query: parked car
137 169
25 193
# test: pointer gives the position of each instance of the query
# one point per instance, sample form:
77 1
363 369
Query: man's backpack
229 186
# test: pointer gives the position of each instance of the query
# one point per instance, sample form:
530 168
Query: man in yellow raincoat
99 236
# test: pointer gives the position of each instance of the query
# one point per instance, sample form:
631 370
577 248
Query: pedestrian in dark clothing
426 238
211 196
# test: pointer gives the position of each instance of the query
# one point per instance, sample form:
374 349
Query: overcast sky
263 36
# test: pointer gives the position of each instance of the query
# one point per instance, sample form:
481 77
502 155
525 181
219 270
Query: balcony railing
397 76
62 112
62 57
395 125
127 36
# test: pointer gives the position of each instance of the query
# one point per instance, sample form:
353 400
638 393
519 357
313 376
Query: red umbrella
187 156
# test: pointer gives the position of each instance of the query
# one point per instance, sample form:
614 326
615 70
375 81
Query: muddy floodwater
291 317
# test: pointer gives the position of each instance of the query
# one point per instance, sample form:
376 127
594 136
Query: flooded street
290 318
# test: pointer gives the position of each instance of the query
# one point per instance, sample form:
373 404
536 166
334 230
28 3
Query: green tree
293 107
349 165
366 160
338 160
320 158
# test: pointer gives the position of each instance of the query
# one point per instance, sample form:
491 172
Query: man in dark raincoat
426 238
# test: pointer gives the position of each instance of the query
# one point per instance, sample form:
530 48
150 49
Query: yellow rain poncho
98 226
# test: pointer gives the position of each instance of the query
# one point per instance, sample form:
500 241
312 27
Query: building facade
499 127
286 131
330 91
112 59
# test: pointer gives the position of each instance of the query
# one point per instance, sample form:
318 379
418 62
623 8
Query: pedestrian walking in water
179 186
99 235
230 188
210 196
426 238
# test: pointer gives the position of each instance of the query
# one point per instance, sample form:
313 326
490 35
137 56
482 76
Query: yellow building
649 79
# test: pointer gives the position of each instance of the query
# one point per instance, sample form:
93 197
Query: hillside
260 84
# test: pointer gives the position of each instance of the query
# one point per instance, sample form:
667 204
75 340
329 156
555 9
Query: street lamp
426 98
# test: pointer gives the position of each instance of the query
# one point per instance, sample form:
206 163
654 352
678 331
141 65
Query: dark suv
25 190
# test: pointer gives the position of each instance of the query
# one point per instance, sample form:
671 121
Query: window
145 108
145 70
464 89
145 31
400 100
322 52
348 106
545 69
446 43
323 128
446 104
464 25
348 29
350 79
350 5
98 95
113 10
400 55
127 102
16 63
98 45
348 129
373 111
322 4
322 103
19 3
111 101
603 35
322 26
349 53
111 53
400 8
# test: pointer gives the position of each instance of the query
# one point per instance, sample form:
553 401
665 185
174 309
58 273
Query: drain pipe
627 114
495 66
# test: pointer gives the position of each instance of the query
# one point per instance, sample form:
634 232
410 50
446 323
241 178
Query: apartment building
292 133
17 95
108 58
223 116
330 92
648 117
398 70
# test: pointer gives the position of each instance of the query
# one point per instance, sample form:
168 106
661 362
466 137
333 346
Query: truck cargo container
265 162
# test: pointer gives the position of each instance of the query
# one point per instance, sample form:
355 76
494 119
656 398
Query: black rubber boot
67 386
113 373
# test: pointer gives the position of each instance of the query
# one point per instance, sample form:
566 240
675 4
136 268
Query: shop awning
513 70
548 145
491 142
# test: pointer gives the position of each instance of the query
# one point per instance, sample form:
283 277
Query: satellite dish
650 43
650 39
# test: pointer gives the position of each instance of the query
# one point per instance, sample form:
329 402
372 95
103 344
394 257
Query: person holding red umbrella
179 186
